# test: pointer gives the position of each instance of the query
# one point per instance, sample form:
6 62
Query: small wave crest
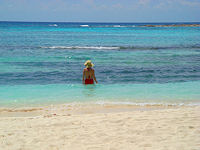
84 25
53 25
118 26
122 47
81 47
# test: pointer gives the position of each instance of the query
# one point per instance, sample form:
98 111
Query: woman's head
89 64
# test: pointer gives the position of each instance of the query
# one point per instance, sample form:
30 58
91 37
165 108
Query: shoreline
86 108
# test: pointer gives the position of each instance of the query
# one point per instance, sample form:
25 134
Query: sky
100 10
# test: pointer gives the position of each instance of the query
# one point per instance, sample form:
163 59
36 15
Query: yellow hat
89 64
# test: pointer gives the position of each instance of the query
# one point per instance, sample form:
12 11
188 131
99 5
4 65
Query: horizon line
99 22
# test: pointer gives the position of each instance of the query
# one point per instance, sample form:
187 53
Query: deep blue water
36 54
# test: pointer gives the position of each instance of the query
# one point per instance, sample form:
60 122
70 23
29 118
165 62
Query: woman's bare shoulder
84 70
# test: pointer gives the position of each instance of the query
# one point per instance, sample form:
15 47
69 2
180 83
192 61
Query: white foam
84 25
118 26
82 47
53 25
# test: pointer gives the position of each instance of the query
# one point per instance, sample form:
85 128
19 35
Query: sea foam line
53 25
146 104
81 47
84 25
122 47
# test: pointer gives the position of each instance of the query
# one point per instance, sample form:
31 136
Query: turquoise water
140 94
42 63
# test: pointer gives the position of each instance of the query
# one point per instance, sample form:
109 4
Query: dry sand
100 127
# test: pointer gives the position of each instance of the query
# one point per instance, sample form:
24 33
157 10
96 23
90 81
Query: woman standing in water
88 73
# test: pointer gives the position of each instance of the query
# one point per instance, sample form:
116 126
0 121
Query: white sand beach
100 127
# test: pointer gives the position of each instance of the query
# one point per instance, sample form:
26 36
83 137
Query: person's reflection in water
89 73
89 91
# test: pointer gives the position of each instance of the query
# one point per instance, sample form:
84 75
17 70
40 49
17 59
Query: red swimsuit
89 81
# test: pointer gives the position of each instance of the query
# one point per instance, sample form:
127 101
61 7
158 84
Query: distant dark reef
172 25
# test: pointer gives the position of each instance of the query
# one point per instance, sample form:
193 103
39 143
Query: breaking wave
119 26
82 47
53 25
85 25
122 47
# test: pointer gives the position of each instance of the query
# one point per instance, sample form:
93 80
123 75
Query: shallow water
185 93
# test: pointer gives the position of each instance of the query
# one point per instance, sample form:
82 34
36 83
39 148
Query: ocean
41 63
